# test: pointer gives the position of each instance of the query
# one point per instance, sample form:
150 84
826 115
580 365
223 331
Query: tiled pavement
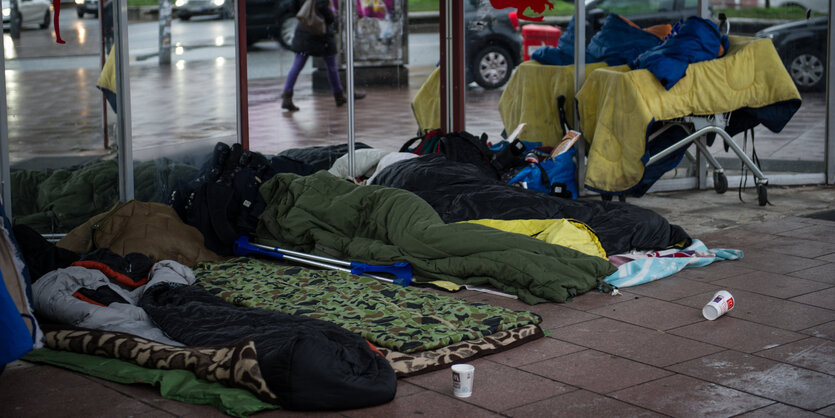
646 352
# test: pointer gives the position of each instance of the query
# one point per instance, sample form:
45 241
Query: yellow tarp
107 78
617 105
531 97
566 232
427 103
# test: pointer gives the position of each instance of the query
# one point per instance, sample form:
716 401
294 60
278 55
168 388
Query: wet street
55 108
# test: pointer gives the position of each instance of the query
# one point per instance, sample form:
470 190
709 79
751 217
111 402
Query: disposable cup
462 380
721 303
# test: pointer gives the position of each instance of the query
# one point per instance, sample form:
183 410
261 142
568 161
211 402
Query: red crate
537 36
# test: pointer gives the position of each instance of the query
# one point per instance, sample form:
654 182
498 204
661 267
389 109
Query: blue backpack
555 176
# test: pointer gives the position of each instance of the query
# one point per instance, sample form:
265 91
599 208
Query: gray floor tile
822 331
824 273
812 353
581 404
635 343
674 287
797 246
823 232
763 377
773 262
734 238
828 411
77 399
555 316
651 313
822 298
767 310
595 299
491 386
534 351
774 227
683 396
771 284
715 271
737 334
426 403
593 370
779 410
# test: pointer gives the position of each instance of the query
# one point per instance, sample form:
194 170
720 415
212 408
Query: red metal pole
243 100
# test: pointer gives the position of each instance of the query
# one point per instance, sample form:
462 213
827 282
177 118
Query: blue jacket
696 40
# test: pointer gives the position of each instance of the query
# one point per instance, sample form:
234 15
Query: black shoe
287 101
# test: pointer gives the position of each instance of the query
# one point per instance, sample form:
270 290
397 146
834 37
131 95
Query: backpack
430 142
465 147
224 202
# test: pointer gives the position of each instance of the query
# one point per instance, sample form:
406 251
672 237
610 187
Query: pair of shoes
287 101
341 100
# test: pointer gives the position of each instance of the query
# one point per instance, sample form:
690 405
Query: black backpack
224 202
465 147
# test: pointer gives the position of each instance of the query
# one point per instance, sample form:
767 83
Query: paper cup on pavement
722 302
462 380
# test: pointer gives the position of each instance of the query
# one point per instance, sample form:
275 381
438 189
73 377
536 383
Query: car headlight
180 3
218 2
7 12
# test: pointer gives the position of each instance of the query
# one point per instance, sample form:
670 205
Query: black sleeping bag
460 192
308 363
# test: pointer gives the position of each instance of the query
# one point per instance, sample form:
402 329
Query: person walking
306 44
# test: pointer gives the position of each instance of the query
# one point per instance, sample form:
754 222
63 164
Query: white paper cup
721 303
462 380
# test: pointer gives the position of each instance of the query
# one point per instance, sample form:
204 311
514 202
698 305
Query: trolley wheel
720 182
762 194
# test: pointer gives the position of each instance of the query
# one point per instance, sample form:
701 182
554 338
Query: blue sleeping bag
617 43
695 40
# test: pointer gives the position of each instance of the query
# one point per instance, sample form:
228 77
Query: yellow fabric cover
107 78
427 103
566 232
531 97
617 105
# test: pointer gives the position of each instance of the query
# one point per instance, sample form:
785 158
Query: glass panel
493 44
798 32
183 95
61 152
381 77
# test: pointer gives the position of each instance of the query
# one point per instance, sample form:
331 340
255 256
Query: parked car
32 13
185 9
493 43
270 19
83 7
643 13
821 6
802 47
